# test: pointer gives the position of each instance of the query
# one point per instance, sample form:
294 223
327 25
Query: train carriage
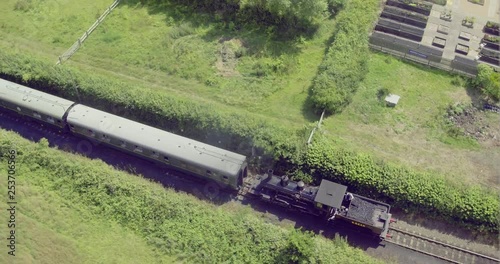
194 157
44 107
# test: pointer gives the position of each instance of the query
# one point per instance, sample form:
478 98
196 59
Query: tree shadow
474 93
308 110
258 29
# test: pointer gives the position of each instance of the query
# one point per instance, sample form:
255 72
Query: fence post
80 40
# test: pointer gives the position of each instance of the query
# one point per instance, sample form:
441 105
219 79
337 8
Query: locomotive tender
330 200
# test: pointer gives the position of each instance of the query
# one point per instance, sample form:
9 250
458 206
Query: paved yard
460 9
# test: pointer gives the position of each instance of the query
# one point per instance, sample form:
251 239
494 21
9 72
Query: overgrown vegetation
289 17
345 63
488 81
471 206
53 229
171 223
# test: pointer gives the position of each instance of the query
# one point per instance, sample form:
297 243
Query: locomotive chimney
300 185
269 173
284 180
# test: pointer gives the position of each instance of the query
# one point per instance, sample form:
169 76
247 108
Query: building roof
330 193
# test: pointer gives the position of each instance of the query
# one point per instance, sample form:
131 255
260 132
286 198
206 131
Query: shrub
488 81
344 65
23 5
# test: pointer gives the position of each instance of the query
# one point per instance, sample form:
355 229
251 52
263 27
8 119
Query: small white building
392 100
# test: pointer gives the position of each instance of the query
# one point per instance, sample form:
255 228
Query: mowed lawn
194 56
414 132
49 229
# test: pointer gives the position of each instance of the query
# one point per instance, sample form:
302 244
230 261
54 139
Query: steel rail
438 243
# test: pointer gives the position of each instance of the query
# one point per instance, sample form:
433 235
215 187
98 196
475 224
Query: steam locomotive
330 200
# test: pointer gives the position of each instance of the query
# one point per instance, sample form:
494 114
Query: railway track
437 249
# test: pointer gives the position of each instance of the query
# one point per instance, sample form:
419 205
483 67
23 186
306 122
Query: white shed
392 100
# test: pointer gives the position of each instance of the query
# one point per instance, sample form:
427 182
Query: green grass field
414 132
198 58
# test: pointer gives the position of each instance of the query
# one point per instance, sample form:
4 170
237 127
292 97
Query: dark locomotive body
329 201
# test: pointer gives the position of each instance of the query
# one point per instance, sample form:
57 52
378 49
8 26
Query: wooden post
314 129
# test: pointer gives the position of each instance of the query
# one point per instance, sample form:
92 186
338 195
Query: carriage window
50 120
165 158
91 133
225 177
209 172
138 149
155 154
123 144
37 115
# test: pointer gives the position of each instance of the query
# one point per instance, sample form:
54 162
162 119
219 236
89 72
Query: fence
454 66
74 48
316 127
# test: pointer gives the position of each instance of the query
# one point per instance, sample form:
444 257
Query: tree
488 81
299 248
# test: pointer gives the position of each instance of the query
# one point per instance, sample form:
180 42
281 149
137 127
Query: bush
23 5
345 63
488 81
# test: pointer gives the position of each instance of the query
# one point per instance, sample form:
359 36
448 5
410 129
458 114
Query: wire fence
316 127
454 66
74 48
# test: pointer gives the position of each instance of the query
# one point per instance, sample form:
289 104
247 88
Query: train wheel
211 190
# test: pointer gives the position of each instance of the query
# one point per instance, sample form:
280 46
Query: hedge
425 192
173 223
345 63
